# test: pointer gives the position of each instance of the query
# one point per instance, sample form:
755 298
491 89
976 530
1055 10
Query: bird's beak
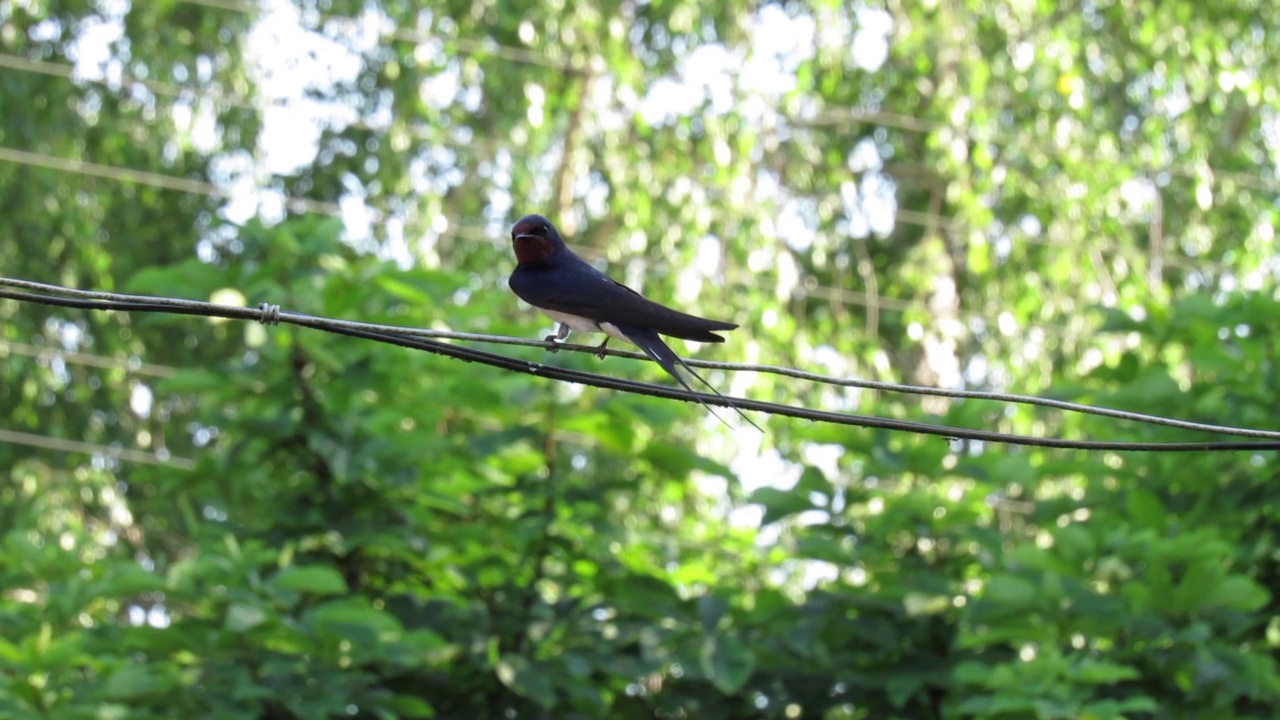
525 237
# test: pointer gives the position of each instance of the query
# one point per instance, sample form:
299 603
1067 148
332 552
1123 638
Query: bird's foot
550 340
600 349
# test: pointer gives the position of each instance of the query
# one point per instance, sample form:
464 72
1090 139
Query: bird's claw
550 340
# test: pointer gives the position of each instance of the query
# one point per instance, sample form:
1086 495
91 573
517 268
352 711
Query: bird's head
535 240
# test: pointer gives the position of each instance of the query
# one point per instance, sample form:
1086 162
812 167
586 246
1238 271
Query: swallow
567 289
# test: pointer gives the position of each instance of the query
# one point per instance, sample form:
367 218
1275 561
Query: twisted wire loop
270 314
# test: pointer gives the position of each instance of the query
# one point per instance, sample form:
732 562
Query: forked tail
661 353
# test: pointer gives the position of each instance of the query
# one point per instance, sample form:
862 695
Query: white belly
585 325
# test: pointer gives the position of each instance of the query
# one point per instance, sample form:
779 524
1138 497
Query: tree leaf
242 617
527 680
313 579
779 504
727 662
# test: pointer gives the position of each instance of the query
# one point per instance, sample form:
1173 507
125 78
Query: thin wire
472 47
328 209
76 446
294 203
195 96
707 364
909 123
906 122
922 125
402 337
68 72
142 177
79 358
901 216
179 184
298 204
905 217
304 205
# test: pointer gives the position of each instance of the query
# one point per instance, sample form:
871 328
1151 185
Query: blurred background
213 519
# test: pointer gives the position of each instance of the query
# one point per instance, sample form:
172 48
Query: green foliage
311 526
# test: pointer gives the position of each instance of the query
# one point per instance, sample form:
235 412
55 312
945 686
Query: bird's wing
586 292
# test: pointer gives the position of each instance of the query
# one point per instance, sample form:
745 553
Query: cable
78 358
401 337
901 216
76 446
473 47
923 125
273 315
142 177
827 117
909 123
327 209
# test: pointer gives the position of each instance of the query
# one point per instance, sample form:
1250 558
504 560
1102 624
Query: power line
826 117
298 204
929 221
329 209
418 339
143 177
900 121
130 365
472 47
67 72
198 95
77 446
922 125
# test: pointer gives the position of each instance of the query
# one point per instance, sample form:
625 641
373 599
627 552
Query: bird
564 287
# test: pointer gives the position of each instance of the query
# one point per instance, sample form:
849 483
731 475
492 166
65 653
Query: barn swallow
551 278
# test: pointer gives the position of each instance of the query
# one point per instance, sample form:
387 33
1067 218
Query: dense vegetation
213 519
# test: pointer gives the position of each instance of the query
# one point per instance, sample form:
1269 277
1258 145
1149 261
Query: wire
835 116
828 117
930 221
473 47
196 96
707 364
922 125
404 337
142 177
78 358
76 446
328 209
179 184
67 72
300 204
